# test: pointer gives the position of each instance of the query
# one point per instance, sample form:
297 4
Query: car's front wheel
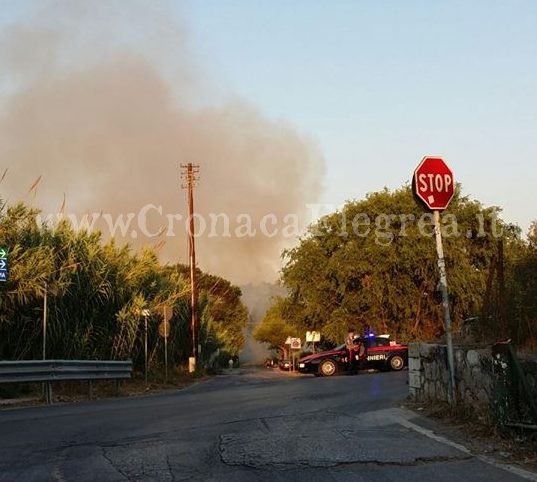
396 363
328 368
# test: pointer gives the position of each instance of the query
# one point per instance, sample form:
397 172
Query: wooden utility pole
189 176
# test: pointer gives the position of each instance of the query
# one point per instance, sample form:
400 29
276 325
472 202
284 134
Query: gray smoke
257 297
105 102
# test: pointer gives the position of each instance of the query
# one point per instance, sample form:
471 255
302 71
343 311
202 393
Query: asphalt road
246 426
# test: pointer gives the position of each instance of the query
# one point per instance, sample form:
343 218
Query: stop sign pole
434 186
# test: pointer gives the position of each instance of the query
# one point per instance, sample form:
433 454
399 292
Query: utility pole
189 176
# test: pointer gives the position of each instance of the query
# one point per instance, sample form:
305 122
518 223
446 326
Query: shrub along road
247 425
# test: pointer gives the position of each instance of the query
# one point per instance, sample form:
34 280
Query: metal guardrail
48 371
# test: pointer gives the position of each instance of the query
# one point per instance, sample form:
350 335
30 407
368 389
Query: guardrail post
48 392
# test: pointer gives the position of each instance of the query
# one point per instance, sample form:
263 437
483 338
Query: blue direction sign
4 267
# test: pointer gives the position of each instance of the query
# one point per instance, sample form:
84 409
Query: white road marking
430 434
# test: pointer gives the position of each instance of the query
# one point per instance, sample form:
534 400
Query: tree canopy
274 329
374 264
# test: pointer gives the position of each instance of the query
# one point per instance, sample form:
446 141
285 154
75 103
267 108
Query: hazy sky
379 84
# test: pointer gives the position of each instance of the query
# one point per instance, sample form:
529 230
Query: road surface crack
111 462
316 464
265 424
170 470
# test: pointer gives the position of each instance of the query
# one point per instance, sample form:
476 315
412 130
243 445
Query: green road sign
4 268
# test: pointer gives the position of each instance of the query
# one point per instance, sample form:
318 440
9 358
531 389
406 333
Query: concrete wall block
471 380
414 364
413 350
414 380
428 371
460 359
428 350
475 373
472 358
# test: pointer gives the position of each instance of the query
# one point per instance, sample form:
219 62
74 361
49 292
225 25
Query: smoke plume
105 102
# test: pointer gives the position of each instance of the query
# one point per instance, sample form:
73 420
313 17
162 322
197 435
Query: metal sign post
445 306
295 345
313 337
434 185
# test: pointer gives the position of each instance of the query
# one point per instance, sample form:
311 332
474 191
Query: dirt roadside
481 436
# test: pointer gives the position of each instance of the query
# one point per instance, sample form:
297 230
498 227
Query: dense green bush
96 293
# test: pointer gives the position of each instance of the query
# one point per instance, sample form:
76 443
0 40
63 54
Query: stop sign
434 183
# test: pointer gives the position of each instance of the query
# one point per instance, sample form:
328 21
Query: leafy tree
521 291
274 329
225 313
374 264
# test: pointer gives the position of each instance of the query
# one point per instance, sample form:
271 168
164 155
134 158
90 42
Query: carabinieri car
380 353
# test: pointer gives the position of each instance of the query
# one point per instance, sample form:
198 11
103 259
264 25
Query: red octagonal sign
434 183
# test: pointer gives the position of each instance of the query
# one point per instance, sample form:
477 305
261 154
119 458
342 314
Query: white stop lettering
434 182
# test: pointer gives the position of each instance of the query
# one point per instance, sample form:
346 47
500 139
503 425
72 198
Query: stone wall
428 375
474 377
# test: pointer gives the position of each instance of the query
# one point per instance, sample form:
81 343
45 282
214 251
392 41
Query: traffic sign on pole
434 183
296 343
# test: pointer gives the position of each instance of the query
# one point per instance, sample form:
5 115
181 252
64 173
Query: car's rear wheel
396 363
328 368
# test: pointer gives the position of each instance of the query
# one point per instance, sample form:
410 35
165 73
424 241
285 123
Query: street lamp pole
45 301
145 314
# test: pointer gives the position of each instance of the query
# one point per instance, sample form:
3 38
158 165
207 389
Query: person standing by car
349 345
